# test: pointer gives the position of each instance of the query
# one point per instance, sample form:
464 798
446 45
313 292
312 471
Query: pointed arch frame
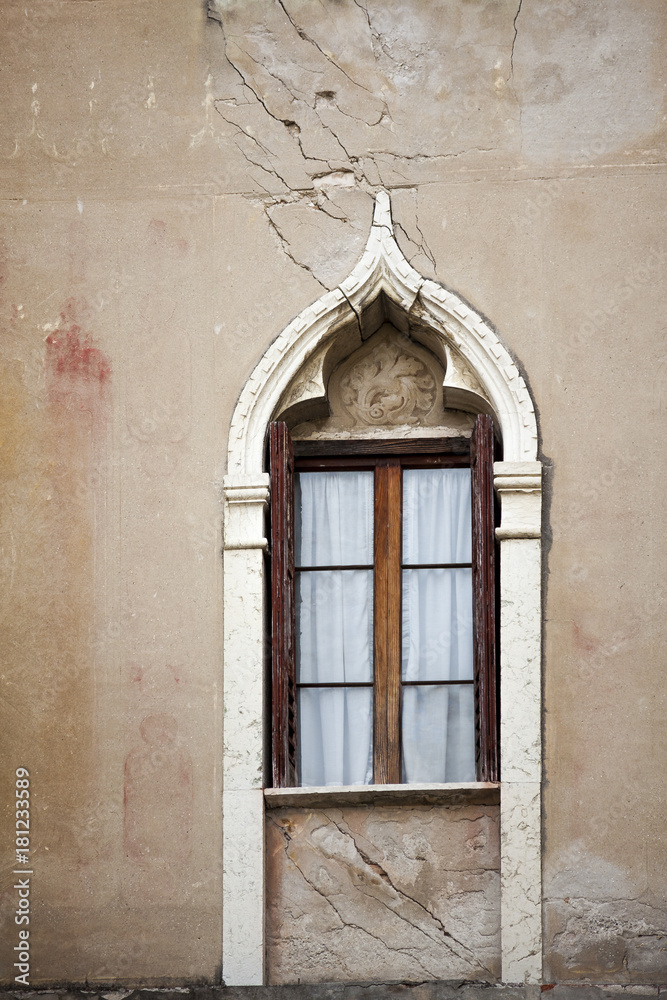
384 273
480 377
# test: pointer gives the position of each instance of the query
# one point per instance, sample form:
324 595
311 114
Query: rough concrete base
441 990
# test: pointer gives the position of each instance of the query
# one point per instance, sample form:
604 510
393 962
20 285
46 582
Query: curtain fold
334 528
437 643
334 518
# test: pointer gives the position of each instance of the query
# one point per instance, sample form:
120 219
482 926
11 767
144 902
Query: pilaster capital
246 498
519 487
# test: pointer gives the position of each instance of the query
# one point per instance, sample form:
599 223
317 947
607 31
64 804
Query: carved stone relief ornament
389 386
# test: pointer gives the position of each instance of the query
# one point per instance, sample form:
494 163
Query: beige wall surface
175 188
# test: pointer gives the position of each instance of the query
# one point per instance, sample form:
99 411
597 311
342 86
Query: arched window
303 380
383 609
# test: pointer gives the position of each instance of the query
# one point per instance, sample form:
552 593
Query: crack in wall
310 106
424 245
343 920
516 32
376 35
318 852
307 38
354 310
511 76
256 163
419 248
375 866
286 247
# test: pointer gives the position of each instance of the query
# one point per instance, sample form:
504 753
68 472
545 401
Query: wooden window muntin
478 454
388 566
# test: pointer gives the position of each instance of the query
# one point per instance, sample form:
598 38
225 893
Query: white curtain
334 518
438 722
334 527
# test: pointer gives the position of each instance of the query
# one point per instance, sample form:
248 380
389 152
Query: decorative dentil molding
479 372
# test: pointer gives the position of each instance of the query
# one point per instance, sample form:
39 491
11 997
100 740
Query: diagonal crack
475 963
307 38
285 246
255 93
354 310
424 245
375 34
516 32
344 922
420 247
288 123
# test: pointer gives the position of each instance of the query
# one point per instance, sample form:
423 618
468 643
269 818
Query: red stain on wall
71 356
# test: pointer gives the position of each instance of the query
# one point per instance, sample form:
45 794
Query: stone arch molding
480 375
290 382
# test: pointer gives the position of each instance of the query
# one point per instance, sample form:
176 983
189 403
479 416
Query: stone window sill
473 793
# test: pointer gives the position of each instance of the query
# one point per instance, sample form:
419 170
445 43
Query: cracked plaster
601 920
357 108
358 891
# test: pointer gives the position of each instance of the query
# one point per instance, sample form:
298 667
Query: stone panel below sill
485 793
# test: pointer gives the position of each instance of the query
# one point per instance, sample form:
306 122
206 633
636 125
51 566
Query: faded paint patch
72 359
599 924
158 795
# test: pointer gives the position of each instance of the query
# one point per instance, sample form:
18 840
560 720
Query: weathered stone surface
383 893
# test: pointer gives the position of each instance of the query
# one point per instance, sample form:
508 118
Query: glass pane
334 626
437 625
334 518
439 733
436 516
335 736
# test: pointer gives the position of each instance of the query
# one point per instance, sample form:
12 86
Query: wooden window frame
387 459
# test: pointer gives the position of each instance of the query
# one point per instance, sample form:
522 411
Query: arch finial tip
382 211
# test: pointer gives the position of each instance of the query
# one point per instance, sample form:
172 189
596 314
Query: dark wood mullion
387 624
484 605
283 623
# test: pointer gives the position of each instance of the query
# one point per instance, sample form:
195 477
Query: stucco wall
176 187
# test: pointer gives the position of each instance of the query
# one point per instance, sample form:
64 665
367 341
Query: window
383 611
